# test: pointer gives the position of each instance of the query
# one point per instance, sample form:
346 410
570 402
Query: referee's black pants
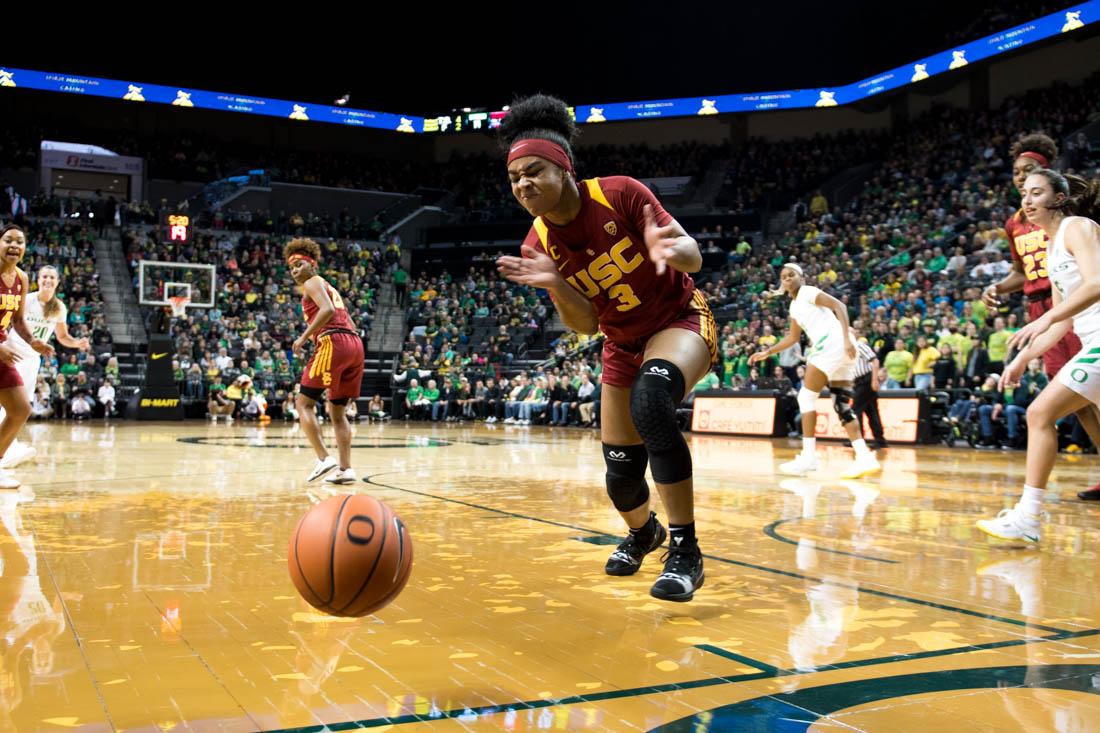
865 402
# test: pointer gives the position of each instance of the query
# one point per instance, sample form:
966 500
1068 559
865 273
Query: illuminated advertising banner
734 415
1050 26
143 93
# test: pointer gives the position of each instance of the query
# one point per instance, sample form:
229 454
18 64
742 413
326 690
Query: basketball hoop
179 305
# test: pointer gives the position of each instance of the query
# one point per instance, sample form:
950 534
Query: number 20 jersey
602 254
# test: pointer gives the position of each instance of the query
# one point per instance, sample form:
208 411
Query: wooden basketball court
144 587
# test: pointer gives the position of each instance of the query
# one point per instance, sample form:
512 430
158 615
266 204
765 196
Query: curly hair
302 245
541 117
1035 142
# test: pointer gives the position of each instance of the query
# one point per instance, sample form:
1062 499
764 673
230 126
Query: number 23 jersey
602 254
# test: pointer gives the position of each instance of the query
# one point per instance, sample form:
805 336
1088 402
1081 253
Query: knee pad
842 404
807 400
656 392
626 485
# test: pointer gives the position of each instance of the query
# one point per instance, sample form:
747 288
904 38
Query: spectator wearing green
400 283
959 342
70 368
431 392
709 381
997 344
729 367
938 263
899 366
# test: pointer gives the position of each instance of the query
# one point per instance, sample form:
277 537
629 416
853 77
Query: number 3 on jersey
625 295
1035 265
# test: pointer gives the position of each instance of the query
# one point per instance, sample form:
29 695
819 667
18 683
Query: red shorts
621 361
336 365
9 377
1059 354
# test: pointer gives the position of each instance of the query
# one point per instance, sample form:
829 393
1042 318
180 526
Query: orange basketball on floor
350 555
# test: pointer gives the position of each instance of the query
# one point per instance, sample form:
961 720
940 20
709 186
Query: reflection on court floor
143 586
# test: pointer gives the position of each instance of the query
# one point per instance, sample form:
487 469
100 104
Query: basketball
350 555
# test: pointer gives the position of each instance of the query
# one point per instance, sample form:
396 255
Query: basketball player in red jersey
336 364
615 261
14 287
1029 245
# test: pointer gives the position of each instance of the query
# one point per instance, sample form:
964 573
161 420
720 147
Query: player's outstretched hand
8 355
758 357
989 297
534 268
660 241
298 345
1022 338
84 344
42 347
1012 373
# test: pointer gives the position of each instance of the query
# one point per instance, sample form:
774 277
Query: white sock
1031 503
861 448
809 445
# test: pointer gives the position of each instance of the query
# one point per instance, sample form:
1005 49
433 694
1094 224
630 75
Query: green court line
749 661
727 561
770 532
477 712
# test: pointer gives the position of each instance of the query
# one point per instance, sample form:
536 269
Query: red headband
299 256
545 149
1038 157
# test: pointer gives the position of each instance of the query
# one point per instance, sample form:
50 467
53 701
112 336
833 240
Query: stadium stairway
387 331
702 198
378 368
121 310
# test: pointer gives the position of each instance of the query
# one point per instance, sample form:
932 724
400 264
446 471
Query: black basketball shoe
628 556
683 574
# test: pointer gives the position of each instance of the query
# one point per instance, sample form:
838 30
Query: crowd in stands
561 392
466 334
72 383
909 257
243 344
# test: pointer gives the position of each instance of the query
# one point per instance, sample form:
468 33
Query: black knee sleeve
842 404
657 391
626 475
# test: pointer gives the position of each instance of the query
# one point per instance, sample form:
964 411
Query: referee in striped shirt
865 389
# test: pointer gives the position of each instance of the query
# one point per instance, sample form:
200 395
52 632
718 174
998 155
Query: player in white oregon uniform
1065 207
45 315
830 360
29 619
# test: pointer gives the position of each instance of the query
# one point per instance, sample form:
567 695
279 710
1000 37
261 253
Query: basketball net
179 305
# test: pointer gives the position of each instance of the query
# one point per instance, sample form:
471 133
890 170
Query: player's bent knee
842 404
626 484
657 391
807 400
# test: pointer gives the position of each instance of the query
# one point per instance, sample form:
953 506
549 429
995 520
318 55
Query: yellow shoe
863 466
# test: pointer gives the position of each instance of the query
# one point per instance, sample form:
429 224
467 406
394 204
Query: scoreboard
177 228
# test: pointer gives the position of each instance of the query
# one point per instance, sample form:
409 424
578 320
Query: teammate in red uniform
615 261
1029 245
14 287
336 364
